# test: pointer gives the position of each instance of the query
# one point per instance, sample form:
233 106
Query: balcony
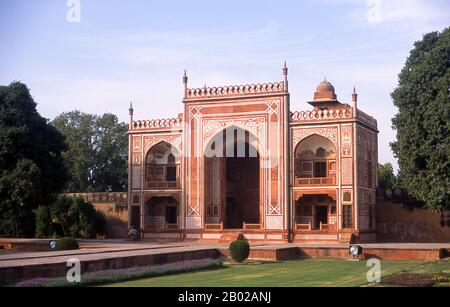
315 181
162 185
315 172
163 177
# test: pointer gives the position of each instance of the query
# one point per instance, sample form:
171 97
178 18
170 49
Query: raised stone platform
110 255
15 267
285 252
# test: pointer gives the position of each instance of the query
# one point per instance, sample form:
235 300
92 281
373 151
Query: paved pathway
62 257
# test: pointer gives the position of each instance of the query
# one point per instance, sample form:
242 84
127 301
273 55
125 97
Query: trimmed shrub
240 250
67 244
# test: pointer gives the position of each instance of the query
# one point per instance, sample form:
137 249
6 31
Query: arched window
162 167
315 162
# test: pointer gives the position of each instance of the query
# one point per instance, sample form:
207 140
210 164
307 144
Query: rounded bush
67 244
240 250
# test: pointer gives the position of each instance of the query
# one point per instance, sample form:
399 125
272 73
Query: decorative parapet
235 90
322 115
157 124
102 198
333 114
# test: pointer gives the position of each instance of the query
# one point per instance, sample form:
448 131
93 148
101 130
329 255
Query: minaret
355 102
285 76
185 82
130 113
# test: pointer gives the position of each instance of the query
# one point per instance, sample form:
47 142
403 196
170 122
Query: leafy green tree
111 146
79 156
69 217
97 151
422 123
386 176
31 165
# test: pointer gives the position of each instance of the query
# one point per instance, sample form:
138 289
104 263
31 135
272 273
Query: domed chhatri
325 86
325 94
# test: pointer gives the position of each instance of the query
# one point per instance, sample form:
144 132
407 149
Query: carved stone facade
307 179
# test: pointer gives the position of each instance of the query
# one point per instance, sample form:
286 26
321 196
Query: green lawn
314 273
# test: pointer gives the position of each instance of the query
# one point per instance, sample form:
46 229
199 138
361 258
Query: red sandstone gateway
237 160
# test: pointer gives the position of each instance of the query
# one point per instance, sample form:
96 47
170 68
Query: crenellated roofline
155 124
237 90
343 113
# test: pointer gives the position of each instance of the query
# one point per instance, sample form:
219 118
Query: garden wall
398 222
114 208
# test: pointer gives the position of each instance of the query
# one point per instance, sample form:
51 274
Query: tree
44 223
422 123
79 156
97 151
386 176
31 165
69 217
111 146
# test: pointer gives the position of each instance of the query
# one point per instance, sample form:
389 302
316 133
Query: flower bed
417 280
112 276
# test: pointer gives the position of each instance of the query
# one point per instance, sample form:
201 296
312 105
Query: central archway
232 180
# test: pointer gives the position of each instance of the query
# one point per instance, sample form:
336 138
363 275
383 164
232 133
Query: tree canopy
422 123
97 151
386 176
69 217
31 164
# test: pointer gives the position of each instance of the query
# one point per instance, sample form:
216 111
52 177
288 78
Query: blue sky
136 50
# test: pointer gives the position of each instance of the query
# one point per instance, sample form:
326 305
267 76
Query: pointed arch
162 167
232 176
315 162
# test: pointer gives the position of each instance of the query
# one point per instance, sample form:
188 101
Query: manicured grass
120 275
301 273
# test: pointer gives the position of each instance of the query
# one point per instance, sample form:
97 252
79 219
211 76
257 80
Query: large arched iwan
232 180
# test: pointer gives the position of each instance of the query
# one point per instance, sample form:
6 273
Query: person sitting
133 234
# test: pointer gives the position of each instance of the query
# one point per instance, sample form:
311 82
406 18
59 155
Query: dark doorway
160 212
234 199
242 192
321 216
171 215
136 217
233 222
